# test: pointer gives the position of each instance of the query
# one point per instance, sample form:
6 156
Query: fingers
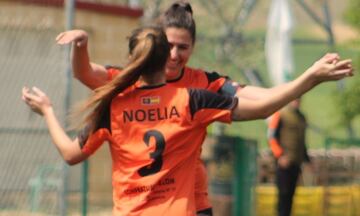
78 36
343 72
343 64
61 35
65 38
25 94
331 58
31 97
38 92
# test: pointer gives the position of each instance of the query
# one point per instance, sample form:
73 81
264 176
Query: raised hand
36 100
330 68
80 37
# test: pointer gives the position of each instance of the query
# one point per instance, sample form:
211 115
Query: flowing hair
179 15
148 52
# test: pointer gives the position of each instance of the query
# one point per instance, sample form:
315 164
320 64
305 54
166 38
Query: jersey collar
178 78
151 86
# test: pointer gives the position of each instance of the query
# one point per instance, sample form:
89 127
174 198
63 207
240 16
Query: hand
36 100
329 68
283 162
80 37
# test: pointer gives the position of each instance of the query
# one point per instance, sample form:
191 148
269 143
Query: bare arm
90 74
40 103
320 71
258 93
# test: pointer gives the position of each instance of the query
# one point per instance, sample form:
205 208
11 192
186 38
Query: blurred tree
349 100
352 14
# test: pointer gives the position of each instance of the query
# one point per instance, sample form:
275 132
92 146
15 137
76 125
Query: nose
174 53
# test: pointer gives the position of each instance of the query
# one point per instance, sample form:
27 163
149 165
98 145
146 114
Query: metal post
328 26
69 20
84 188
244 177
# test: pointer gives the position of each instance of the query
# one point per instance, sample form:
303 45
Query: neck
172 75
152 79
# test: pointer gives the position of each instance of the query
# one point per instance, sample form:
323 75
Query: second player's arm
40 103
321 71
90 74
259 93
68 148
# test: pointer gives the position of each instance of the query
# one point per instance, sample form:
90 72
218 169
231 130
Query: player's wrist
47 110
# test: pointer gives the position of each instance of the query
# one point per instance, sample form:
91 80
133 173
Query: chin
172 71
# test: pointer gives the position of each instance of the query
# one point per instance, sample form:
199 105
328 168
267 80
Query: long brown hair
179 15
148 52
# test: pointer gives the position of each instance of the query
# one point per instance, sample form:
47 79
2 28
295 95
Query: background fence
32 177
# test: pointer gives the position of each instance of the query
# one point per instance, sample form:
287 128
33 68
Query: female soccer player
153 128
180 29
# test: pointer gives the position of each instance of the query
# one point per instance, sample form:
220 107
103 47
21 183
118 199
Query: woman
180 29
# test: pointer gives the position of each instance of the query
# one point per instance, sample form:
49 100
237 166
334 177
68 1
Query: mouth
172 64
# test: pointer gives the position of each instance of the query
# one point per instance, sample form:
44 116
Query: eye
183 47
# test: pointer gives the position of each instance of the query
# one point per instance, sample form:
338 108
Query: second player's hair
179 15
148 52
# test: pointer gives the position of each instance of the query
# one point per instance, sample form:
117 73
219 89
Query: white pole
69 23
278 45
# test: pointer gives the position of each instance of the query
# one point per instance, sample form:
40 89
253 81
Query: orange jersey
197 78
154 142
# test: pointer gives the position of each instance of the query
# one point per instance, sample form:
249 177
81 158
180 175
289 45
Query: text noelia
150 114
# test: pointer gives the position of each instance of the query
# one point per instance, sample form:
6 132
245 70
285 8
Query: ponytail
149 50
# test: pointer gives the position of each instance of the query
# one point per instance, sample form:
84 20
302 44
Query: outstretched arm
323 70
40 103
90 74
258 93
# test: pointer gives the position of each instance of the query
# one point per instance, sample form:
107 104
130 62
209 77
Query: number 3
155 166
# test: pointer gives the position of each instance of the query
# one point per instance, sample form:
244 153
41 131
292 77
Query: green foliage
349 101
352 14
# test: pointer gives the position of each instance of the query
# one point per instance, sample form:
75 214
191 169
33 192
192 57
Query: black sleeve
227 88
202 99
213 76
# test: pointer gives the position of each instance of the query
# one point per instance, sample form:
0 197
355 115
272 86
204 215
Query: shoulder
200 99
194 72
210 76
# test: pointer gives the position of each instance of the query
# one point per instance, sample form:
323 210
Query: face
181 48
